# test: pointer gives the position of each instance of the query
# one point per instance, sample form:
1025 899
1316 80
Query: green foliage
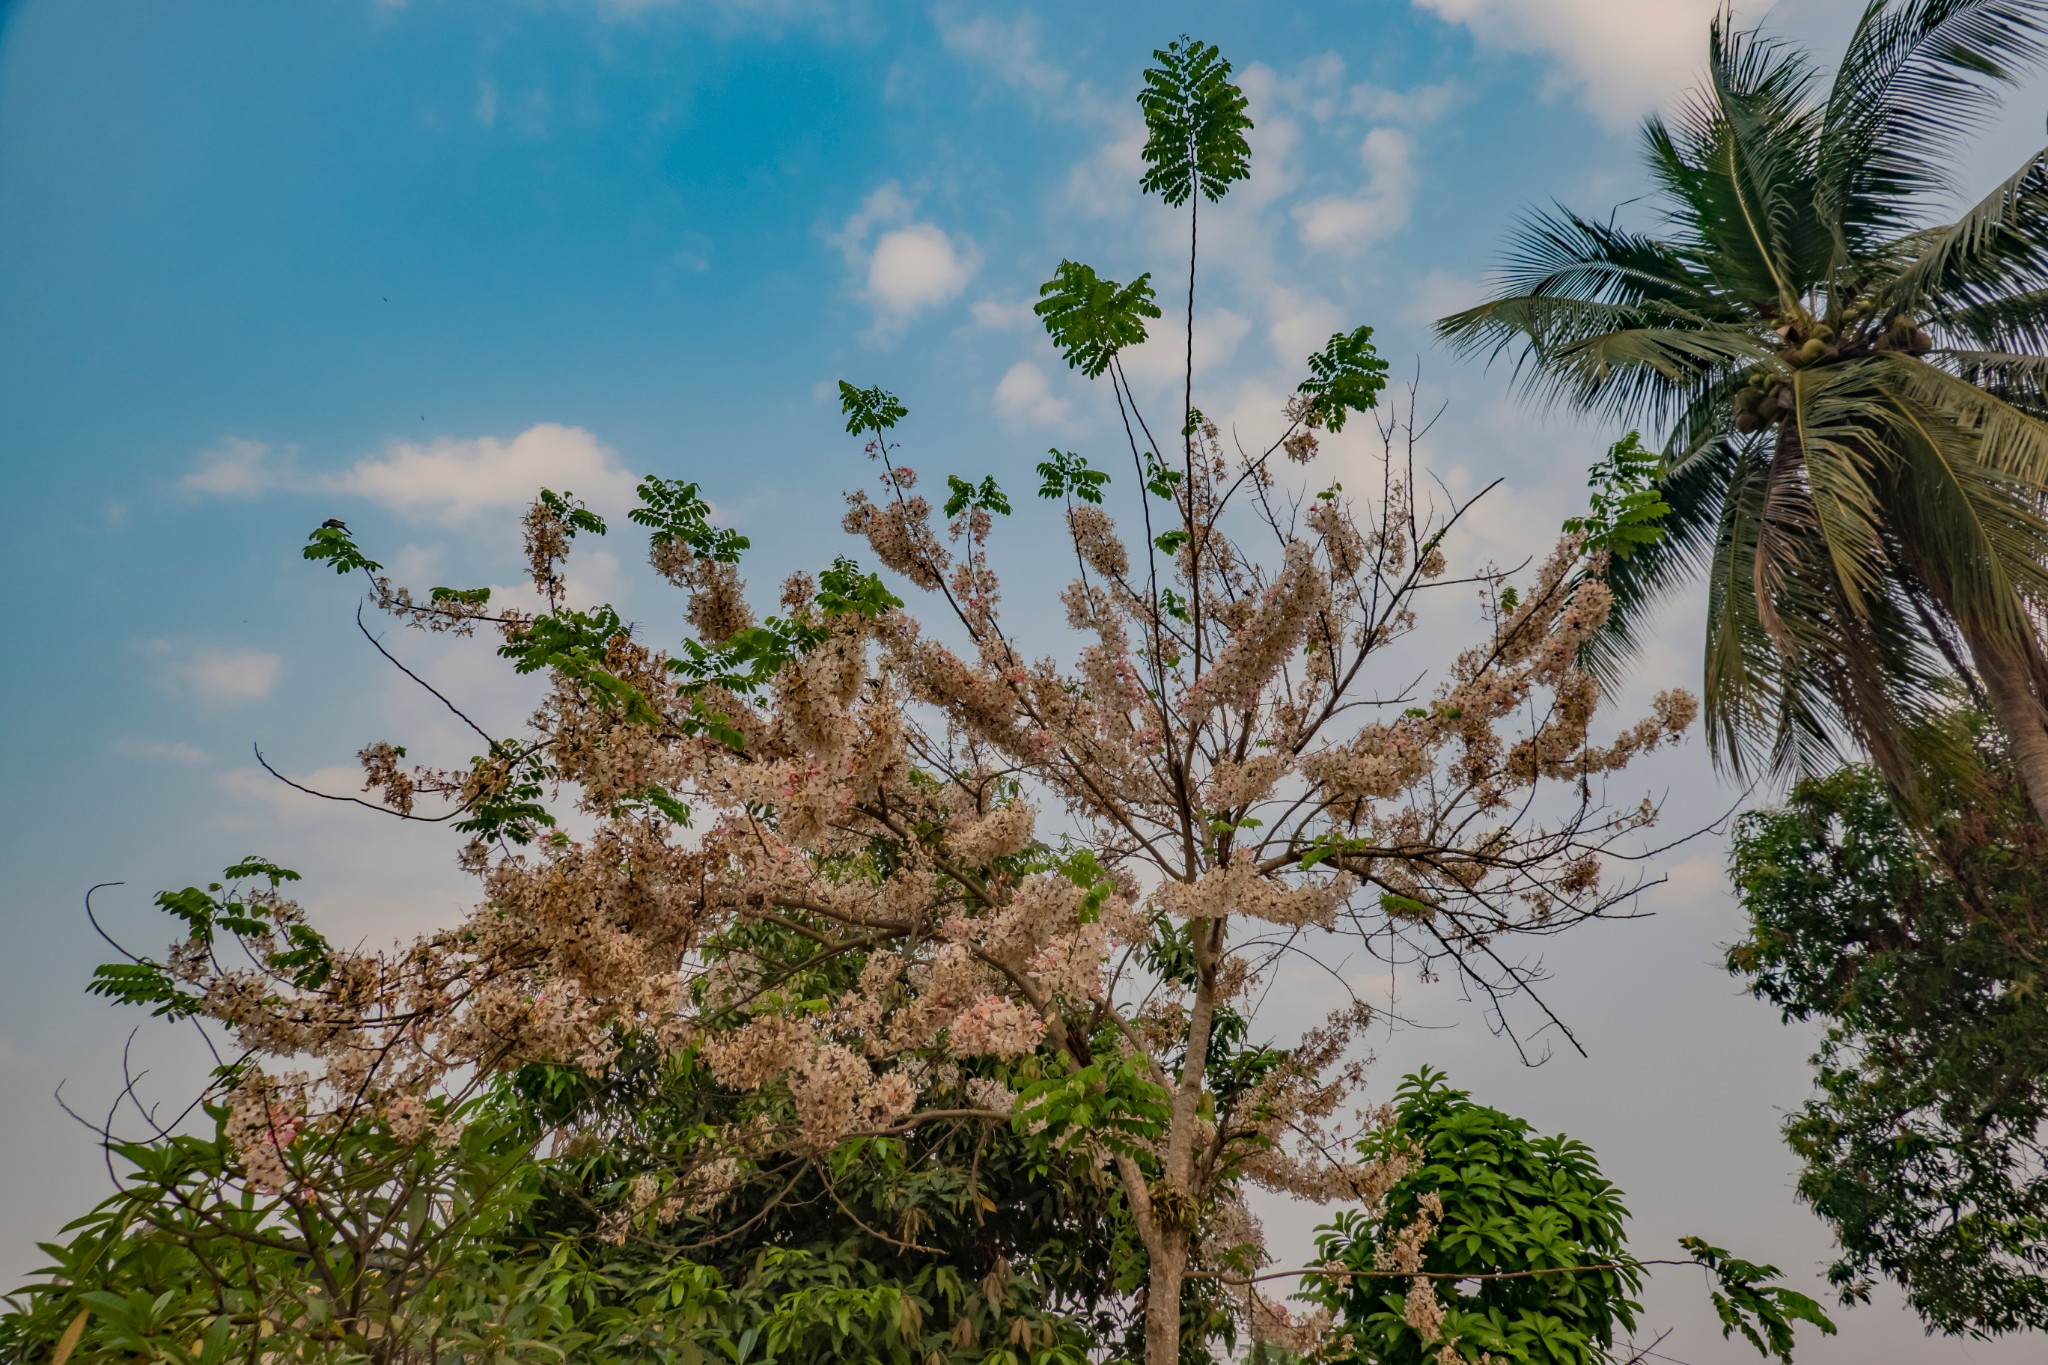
1091 318
1195 122
395 1261
675 513
953 1242
574 644
1112 1102
509 785
750 659
874 409
1764 1313
1921 954
573 514
957 1243
1346 376
1512 1201
1160 481
333 545
291 949
984 496
1627 505
1067 475
845 588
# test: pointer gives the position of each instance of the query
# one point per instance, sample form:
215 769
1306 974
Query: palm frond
1973 533
2020 380
2000 246
1840 474
2009 442
1917 78
1563 255
2014 323
1738 163
1893 492
1642 375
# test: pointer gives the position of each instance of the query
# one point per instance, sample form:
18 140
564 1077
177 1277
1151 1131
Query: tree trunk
2018 710
1163 1285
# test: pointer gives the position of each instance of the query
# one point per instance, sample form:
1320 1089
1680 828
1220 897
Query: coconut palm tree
1853 390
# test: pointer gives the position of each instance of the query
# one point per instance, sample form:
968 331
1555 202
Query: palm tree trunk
2008 684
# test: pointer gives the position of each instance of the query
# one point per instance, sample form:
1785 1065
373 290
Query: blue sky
400 263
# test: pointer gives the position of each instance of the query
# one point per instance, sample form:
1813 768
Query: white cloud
885 204
1440 293
915 268
1349 223
910 266
486 103
1005 315
237 469
1013 51
1106 184
262 789
1024 398
1009 49
1162 357
212 674
1422 104
157 751
1300 330
1624 58
450 480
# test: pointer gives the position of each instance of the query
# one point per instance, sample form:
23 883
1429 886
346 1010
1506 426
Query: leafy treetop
1195 122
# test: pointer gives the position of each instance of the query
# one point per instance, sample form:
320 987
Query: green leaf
1764 1313
1406 907
844 588
1627 509
333 545
142 983
1346 376
253 866
874 409
986 496
513 809
749 660
574 515
1159 480
1195 122
660 799
1067 475
673 511
1091 318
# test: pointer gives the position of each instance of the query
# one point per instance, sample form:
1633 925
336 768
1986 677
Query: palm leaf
1999 246
2010 442
1916 79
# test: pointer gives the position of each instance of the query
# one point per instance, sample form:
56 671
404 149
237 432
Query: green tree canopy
1921 952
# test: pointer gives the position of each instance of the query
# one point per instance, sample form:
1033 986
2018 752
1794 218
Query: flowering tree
1070 875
